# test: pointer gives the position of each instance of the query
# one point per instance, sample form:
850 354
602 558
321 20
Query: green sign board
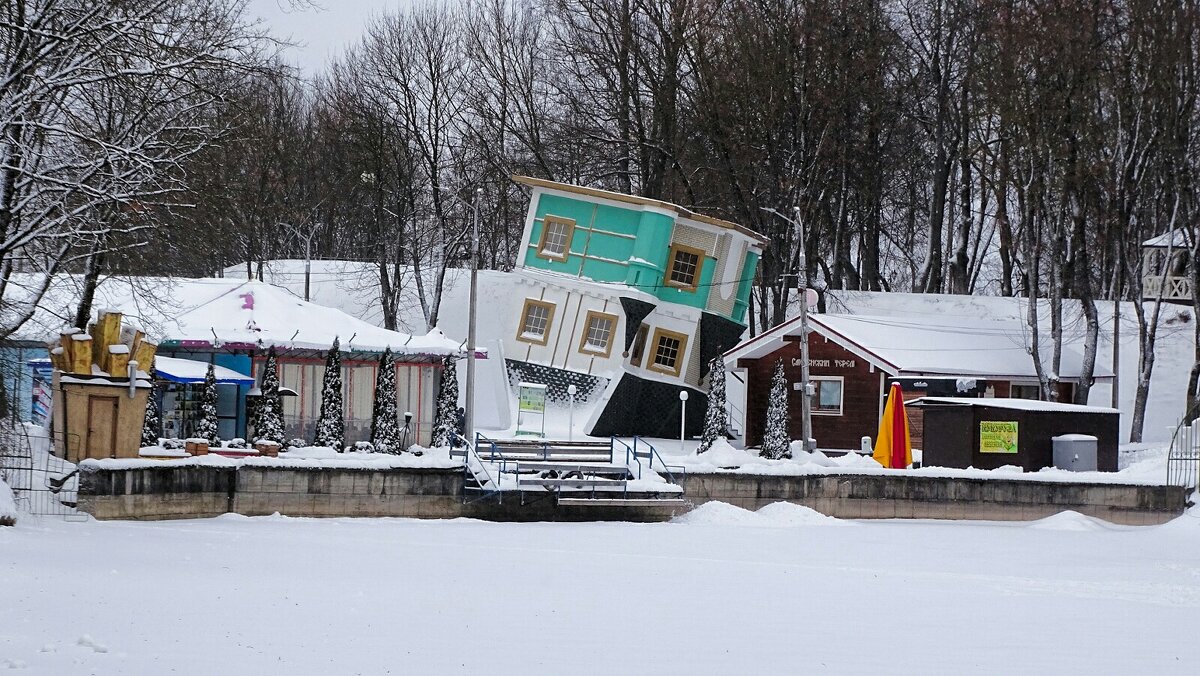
532 398
997 436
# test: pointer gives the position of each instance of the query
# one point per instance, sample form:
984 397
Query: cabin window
668 351
685 265
1025 392
556 238
598 330
536 318
827 395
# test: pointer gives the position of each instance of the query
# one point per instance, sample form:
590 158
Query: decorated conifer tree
152 424
331 424
715 416
206 427
445 418
775 439
268 422
385 426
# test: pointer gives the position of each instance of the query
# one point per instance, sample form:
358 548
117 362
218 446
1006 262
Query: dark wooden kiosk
956 428
854 359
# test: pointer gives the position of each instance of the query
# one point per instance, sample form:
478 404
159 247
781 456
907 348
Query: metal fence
41 482
1183 460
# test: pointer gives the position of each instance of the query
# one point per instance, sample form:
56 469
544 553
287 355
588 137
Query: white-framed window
556 237
828 395
598 329
536 318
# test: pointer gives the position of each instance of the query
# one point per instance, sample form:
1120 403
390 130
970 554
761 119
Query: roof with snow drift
234 314
928 346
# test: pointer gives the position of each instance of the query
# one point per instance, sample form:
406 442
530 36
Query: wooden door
102 427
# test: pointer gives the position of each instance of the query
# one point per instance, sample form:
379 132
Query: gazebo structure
1165 266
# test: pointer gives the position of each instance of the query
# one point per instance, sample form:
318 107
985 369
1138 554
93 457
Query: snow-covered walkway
721 591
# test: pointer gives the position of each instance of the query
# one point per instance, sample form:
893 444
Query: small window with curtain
536 317
827 395
556 238
598 328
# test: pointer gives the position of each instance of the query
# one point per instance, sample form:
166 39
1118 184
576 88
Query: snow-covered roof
1176 239
192 371
232 313
1013 404
922 346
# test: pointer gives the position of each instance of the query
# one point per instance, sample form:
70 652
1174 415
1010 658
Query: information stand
531 400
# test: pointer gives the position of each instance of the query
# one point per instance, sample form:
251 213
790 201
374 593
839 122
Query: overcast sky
322 32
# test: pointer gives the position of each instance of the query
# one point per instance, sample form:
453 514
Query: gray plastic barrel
1075 452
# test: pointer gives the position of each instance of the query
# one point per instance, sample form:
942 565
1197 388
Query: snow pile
719 514
724 457
8 506
1070 520
304 457
791 514
774 515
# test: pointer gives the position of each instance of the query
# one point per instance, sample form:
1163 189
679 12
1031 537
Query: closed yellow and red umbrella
893 446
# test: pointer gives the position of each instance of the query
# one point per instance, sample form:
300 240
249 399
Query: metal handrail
471 452
1183 457
628 453
666 468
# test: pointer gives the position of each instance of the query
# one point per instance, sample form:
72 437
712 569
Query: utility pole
802 282
469 417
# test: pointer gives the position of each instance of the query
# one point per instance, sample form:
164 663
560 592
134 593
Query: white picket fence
1183 461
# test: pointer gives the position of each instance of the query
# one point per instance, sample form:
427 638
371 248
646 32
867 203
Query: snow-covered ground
721 591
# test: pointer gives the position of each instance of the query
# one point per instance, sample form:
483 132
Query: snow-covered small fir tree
331 424
268 419
152 423
385 426
206 427
775 439
445 418
715 416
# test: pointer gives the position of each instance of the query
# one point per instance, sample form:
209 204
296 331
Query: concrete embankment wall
197 491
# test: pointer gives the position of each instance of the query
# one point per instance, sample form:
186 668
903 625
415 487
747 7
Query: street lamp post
683 397
469 417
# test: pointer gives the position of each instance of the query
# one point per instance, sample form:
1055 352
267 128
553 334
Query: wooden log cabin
853 359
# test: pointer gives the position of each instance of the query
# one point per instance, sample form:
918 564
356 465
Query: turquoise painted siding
624 246
740 305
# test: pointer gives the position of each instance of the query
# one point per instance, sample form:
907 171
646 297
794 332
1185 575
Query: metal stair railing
652 454
470 453
629 454
1183 458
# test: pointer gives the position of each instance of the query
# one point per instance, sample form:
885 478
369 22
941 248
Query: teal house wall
623 246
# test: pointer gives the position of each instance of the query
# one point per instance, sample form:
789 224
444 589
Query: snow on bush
385 424
152 422
715 416
207 426
445 421
268 411
775 440
331 425
8 506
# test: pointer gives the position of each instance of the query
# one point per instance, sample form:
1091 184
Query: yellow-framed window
684 266
668 350
555 243
598 333
537 316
